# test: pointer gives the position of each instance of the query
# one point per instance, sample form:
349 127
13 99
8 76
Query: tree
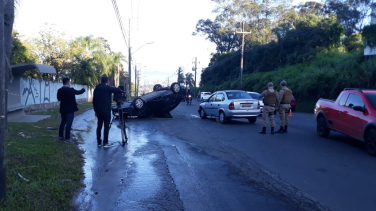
351 14
51 49
181 78
225 39
189 81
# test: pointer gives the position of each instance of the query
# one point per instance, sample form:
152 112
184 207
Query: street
186 163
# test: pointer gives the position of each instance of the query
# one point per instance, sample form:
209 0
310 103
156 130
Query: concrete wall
34 91
35 94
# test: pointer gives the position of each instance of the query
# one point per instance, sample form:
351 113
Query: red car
293 104
353 113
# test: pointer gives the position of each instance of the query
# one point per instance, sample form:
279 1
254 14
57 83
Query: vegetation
316 47
84 59
369 35
53 168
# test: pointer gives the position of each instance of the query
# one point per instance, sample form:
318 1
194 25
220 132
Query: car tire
370 141
175 88
222 117
321 128
252 119
157 87
139 104
202 114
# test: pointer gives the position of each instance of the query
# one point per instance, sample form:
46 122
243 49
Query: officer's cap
283 83
270 84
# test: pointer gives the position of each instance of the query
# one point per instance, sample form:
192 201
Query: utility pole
242 54
195 76
3 105
129 62
135 79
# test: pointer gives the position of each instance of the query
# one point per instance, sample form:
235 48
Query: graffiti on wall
33 93
36 91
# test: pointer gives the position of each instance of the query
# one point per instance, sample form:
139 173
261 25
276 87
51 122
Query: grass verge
53 168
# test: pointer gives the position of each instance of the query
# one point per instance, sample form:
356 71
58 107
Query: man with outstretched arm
68 105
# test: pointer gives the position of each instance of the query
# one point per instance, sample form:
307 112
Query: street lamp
130 67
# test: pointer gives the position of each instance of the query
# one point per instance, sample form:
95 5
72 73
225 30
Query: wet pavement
158 171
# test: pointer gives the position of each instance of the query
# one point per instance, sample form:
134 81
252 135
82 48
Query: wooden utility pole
242 55
2 105
194 95
129 62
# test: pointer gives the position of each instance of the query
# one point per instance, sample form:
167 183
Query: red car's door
354 121
335 117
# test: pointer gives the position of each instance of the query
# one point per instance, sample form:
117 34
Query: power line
116 9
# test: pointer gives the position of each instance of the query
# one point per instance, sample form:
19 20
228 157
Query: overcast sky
168 23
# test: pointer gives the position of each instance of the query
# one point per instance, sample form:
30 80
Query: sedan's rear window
372 100
238 95
254 95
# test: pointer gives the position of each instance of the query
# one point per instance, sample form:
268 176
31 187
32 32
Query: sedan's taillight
231 106
258 106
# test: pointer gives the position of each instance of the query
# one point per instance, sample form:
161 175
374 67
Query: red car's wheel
370 141
322 130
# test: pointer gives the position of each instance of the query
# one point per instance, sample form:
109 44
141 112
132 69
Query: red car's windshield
372 100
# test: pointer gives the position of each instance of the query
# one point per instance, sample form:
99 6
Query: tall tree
189 81
52 49
352 14
225 39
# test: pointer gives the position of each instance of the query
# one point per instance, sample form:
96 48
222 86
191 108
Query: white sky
167 23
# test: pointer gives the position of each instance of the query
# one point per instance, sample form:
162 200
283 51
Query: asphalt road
186 163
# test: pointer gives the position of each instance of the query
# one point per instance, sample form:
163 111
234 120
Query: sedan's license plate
246 105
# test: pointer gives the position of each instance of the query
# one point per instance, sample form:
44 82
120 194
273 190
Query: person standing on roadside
285 96
270 103
102 108
68 105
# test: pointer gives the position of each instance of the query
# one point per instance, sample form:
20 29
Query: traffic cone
290 114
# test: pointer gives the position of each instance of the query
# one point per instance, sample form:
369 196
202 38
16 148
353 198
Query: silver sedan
230 104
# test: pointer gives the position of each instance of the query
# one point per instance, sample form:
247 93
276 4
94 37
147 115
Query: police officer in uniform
285 96
271 101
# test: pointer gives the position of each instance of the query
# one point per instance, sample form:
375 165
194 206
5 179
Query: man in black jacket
102 108
68 105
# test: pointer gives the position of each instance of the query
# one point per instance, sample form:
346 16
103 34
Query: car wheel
222 117
157 87
175 88
370 141
252 119
139 104
322 130
202 114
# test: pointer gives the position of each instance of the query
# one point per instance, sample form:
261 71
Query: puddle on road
137 175
195 116
144 179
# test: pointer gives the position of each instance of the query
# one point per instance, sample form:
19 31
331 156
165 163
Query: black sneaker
99 145
69 141
108 145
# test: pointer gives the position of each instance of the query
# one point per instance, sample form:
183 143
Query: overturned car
158 103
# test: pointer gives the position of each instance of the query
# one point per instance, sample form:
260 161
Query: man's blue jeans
66 121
